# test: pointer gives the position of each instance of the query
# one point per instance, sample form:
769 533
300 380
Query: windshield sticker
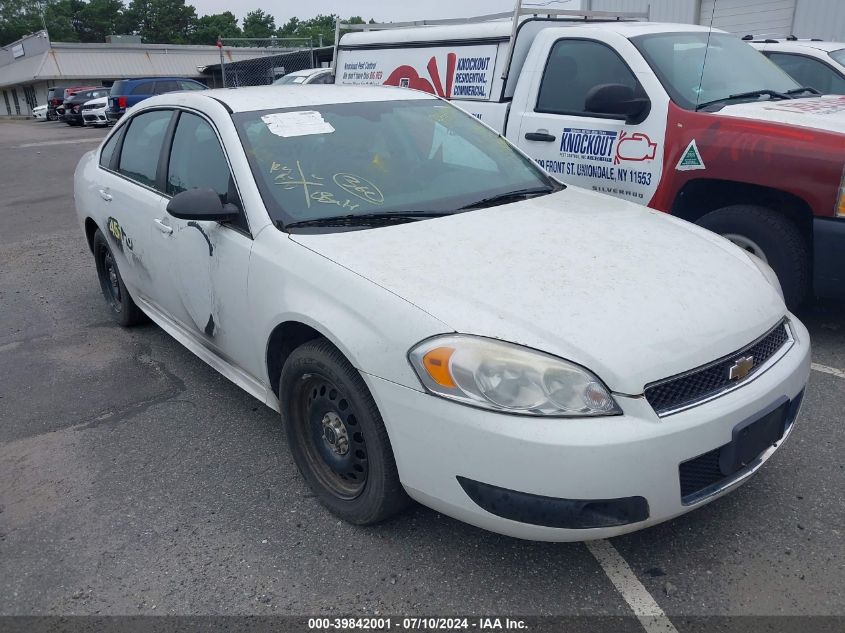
301 123
690 159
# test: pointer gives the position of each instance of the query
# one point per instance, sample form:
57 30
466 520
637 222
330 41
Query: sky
380 10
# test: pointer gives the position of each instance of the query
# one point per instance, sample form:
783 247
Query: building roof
70 61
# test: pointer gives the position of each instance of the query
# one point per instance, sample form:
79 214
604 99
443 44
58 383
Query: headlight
839 211
766 271
504 377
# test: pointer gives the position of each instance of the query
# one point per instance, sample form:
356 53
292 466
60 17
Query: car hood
632 294
821 113
98 102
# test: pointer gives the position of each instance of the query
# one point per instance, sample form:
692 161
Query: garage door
757 17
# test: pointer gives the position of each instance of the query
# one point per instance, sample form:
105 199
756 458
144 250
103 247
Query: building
824 19
32 65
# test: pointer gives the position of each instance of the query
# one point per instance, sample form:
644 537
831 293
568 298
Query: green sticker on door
690 159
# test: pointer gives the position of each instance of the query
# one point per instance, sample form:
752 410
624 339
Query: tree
259 24
162 21
18 18
209 27
315 28
99 18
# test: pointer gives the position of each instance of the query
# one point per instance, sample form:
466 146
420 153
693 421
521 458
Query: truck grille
684 390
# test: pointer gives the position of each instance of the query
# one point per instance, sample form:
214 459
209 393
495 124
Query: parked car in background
73 106
127 92
814 63
620 368
40 112
94 111
66 94
308 76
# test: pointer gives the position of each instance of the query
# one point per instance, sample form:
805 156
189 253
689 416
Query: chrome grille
682 391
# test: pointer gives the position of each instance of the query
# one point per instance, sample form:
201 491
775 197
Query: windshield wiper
385 217
753 94
510 196
802 90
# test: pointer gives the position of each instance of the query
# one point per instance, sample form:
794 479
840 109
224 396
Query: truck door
573 123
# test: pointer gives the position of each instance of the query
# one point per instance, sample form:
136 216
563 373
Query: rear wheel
123 309
337 437
773 238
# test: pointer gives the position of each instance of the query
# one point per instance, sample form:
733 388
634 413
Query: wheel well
285 338
700 197
90 228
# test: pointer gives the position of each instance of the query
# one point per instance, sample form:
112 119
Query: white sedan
437 318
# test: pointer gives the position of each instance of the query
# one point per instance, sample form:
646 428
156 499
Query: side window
810 72
574 68
142 146
108 150
166 86
145 88
326 78
190 85
197 160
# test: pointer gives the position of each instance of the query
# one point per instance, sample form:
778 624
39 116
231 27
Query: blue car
127 92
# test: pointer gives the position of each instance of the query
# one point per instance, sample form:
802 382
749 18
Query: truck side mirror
618 101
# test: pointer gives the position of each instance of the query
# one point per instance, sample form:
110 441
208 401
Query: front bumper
829 258
439 446
95 117
74 118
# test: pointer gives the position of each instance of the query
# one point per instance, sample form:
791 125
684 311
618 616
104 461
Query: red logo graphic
408 77
636 147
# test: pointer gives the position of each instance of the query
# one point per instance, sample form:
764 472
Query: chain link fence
261 61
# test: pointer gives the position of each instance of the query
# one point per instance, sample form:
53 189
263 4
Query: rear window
118 88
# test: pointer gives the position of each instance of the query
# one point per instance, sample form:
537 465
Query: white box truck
685 119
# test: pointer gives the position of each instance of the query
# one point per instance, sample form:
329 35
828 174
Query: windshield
359 159
733 67
839 56
290 79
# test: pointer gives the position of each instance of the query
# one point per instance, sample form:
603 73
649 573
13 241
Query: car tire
337 437
123 308
772 237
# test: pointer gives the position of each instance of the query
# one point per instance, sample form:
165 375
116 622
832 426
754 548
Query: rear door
606 153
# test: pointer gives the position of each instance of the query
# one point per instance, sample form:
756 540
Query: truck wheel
337 437
123 309
771 237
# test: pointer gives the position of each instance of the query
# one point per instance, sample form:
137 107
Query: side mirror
617 100
202 205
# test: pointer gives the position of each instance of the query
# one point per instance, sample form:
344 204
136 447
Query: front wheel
773 238
337 437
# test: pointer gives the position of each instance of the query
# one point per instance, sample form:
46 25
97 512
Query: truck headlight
839 211
509 378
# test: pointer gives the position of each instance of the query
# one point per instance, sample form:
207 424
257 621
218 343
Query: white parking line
69 141
828 370
648 612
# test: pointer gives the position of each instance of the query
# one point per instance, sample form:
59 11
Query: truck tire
773 238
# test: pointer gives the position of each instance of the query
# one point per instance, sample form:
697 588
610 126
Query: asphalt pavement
134 479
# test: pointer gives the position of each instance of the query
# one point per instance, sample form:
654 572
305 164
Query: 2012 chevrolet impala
437 318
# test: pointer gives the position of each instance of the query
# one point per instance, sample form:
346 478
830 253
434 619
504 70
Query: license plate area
751 438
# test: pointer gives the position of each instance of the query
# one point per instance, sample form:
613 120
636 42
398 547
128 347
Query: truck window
574 68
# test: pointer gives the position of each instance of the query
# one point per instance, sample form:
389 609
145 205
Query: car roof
308 72
255 98
775 44
157 79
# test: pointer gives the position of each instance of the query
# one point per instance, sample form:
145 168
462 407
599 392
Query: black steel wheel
337 437
122 307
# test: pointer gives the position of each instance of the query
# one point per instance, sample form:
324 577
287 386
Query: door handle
105 195
161 226
540 135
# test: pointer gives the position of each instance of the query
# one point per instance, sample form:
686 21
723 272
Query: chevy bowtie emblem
741 368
